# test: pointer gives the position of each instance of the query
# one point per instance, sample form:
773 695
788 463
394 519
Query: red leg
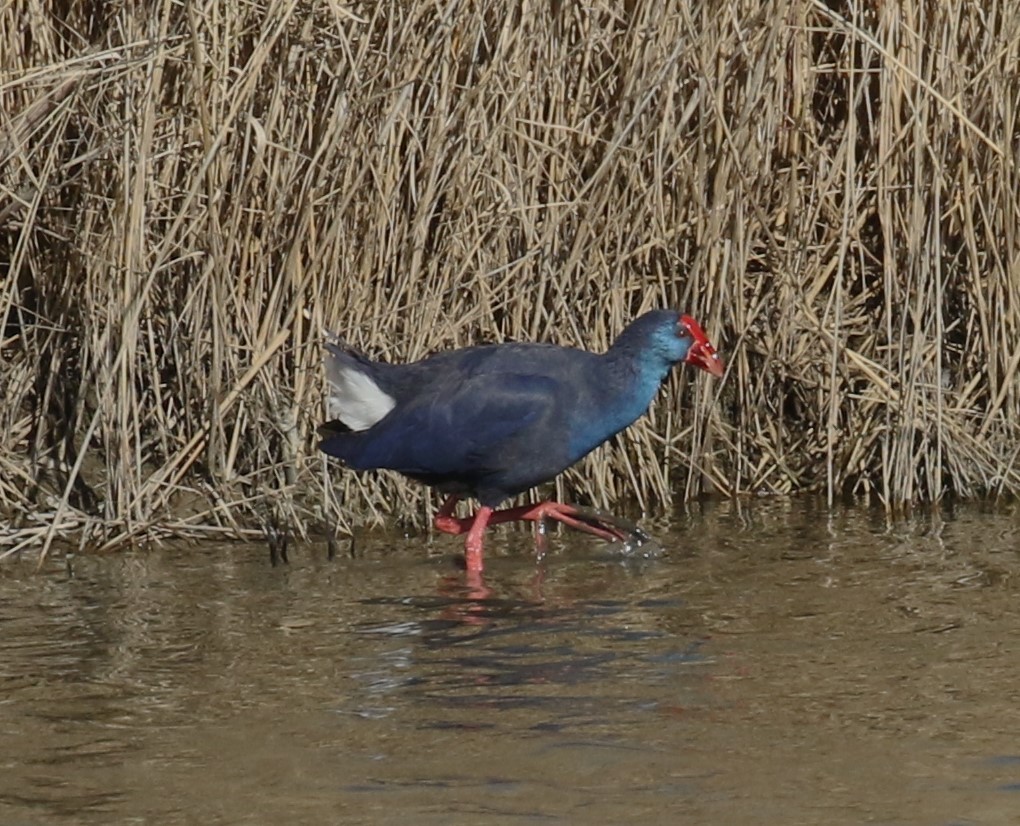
473 541
577 518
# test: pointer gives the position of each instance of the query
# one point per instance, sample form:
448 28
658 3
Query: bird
492 421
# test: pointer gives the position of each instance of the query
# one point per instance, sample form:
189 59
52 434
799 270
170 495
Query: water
777 663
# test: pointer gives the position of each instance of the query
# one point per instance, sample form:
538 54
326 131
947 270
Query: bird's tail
337 440
356 399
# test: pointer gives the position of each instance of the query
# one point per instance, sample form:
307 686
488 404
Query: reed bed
191 193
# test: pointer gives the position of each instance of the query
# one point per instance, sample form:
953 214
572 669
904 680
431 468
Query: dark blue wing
457 429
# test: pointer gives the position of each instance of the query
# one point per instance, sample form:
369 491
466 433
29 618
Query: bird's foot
589 520
445 522
451 524
609 526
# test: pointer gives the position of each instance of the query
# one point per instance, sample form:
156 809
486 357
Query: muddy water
776 664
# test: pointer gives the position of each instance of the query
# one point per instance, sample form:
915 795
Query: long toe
451 524
623 529
606 526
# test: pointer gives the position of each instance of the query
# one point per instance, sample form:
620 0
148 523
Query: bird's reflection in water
472 601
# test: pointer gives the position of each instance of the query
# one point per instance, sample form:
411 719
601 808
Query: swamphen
493 421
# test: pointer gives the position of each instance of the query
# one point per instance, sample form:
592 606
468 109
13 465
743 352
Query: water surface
777 663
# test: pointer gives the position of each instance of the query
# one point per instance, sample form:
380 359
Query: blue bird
493 421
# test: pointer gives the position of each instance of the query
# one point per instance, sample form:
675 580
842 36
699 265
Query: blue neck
623 388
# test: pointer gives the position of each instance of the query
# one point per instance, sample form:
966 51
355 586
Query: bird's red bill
702 354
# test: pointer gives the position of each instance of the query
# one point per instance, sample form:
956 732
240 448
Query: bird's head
700 352
665 338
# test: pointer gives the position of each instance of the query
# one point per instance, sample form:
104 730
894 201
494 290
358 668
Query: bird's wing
457 428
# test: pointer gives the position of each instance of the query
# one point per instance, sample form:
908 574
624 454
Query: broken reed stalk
191 196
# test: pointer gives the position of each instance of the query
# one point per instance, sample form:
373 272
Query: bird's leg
473 541
604 526
541 541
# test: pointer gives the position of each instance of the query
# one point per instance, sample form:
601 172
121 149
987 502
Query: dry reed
190 193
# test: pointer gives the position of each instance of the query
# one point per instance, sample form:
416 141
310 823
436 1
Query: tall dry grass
190 193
